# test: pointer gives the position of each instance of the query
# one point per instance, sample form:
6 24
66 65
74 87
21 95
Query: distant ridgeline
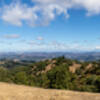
57 73
38 56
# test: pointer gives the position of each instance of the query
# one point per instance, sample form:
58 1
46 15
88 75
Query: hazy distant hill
37 56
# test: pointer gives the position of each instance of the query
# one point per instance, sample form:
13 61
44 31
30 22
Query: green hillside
57 73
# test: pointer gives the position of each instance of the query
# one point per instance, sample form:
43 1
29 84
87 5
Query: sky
49 25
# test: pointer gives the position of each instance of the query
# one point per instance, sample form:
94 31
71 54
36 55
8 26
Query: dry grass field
20 92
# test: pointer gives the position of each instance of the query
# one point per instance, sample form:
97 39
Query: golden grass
20 92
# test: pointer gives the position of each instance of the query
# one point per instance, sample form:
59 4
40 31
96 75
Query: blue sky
49 25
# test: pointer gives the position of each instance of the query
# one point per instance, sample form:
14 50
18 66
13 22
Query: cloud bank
42 12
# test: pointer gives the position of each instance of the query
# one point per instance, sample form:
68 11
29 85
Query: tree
21 78
4 74
59 78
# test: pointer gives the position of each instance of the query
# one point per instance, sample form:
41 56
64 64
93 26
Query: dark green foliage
59 78
4 75
41 66
21 78
62 60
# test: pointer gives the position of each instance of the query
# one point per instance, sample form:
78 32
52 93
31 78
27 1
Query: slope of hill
57 73
19 92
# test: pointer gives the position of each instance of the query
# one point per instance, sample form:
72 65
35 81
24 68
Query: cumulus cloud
11 36
17 13
44 11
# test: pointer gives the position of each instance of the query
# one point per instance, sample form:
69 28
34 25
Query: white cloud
97 47
92 6
17 13
44 11
11 36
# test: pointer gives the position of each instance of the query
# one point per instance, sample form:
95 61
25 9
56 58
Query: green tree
21 78
4 75
59 78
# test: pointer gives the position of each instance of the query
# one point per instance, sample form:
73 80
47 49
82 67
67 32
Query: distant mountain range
37 56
